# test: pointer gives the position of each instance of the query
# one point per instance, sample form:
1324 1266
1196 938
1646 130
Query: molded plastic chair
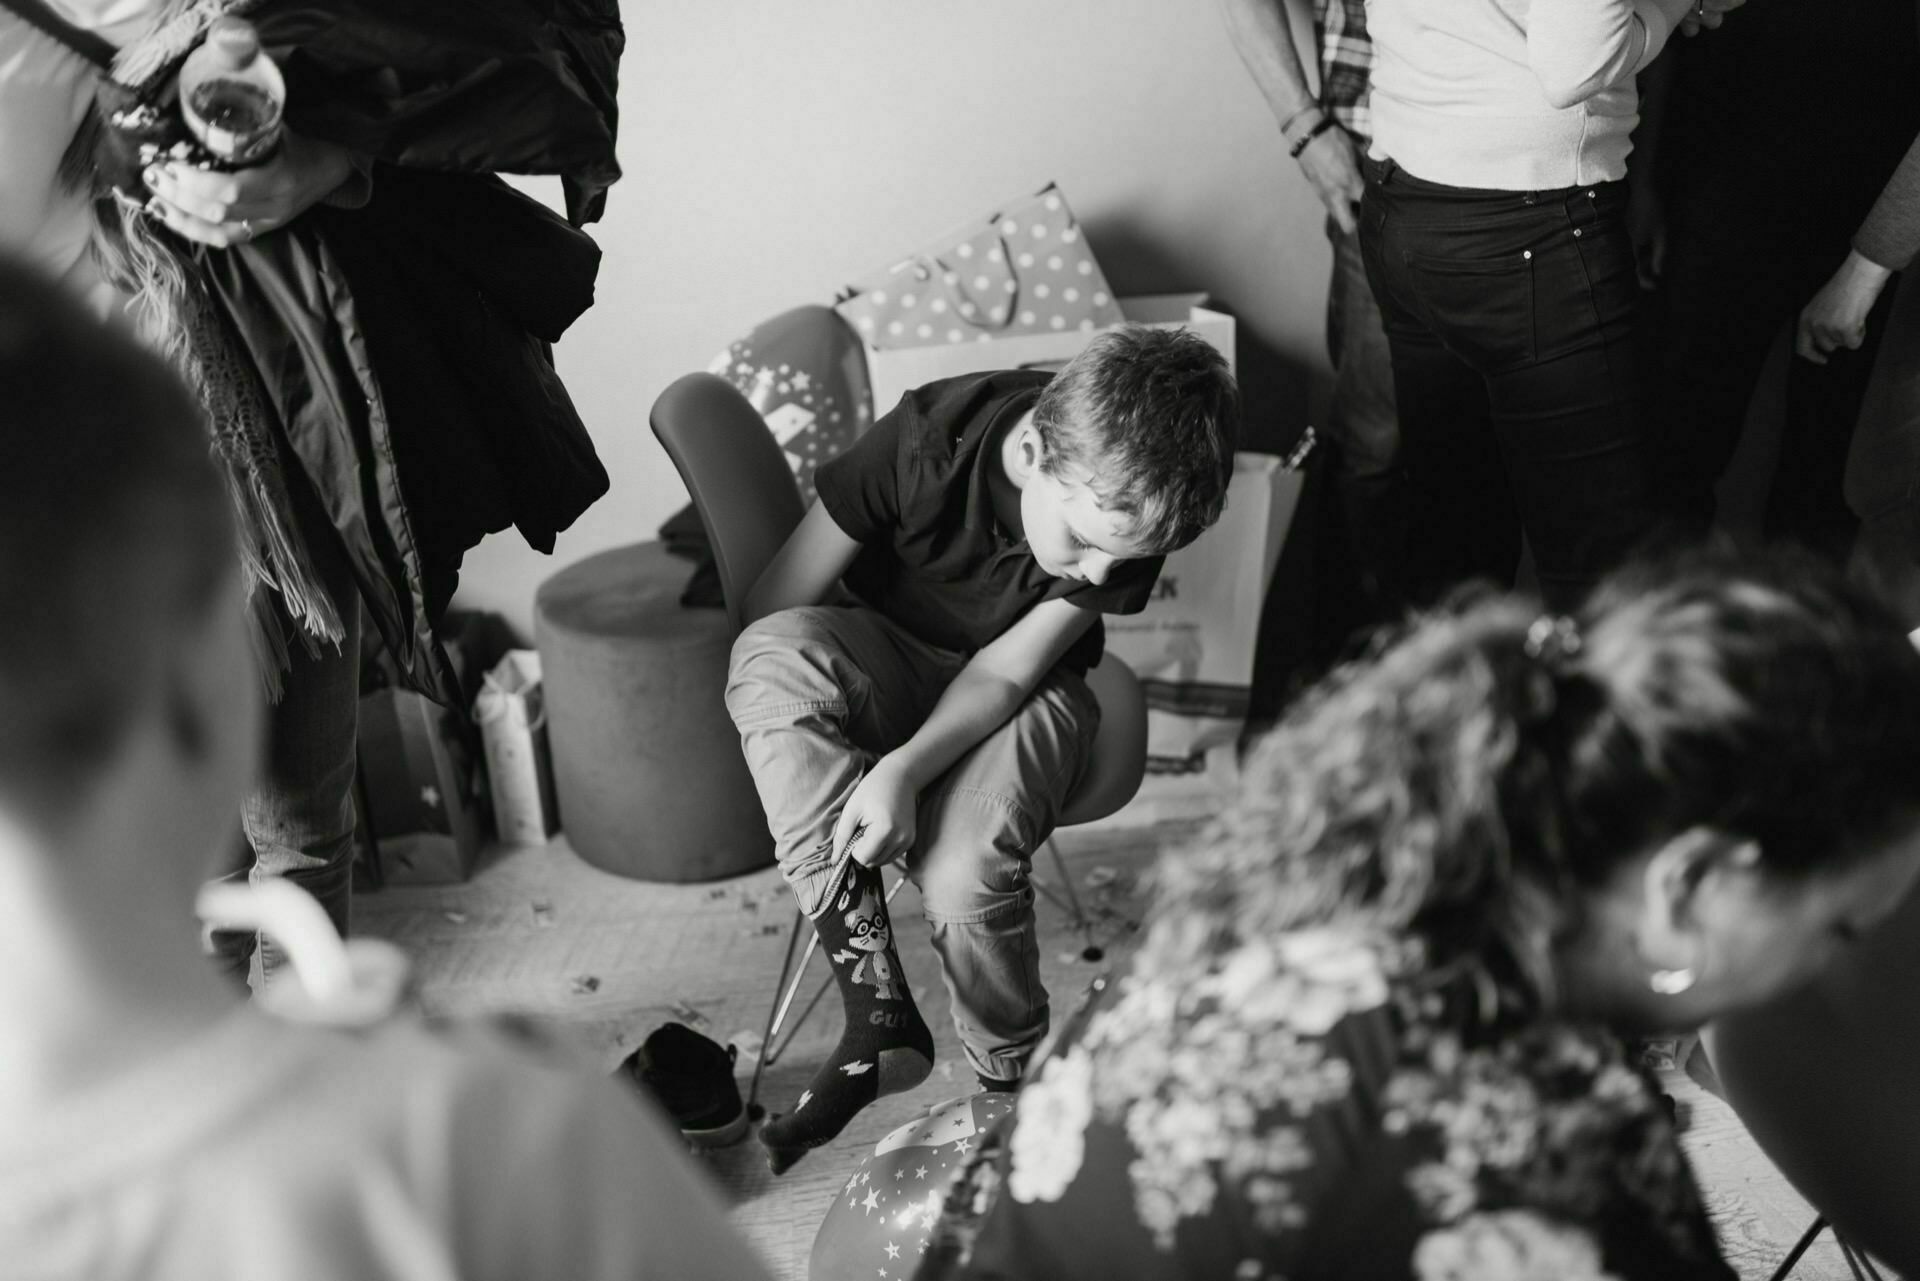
748 504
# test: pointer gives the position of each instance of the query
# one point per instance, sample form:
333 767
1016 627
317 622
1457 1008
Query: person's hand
1331 163
880 817
1837 316
223 209
1647 232
1707 15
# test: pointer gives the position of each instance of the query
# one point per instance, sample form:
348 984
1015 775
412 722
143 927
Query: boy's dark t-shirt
914 491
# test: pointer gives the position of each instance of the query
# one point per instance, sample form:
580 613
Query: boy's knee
973 861
780 658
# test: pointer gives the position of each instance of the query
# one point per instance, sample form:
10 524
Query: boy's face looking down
1131 451
1069 533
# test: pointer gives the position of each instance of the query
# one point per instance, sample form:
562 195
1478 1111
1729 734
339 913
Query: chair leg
1076 914
1800 1247
799 972
1863 1269
786 966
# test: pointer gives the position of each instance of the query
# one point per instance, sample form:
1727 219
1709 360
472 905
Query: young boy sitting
151 1124
941 714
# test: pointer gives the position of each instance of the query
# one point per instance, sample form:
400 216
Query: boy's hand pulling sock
886 1047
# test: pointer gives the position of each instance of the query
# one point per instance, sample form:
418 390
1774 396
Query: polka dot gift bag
1025 270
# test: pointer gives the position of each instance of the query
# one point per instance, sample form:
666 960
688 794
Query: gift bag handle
930 271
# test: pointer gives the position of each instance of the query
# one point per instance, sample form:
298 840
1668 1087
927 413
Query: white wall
775 149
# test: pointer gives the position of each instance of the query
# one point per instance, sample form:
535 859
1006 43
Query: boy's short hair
1153 416
114 533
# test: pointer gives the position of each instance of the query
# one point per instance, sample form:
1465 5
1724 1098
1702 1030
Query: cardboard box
895 373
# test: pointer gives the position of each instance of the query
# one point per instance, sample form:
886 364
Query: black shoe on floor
691 1078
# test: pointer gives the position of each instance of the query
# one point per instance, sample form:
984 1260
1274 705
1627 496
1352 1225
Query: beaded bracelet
1320 126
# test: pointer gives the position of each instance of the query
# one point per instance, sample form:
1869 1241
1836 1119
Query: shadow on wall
1275 387
1278 391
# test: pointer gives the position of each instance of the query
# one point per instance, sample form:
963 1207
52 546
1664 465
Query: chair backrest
741 485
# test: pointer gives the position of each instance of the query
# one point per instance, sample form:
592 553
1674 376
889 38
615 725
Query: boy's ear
1032 448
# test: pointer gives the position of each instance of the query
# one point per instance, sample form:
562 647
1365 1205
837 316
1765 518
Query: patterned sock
886 1047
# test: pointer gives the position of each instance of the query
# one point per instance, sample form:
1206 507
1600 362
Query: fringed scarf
176 314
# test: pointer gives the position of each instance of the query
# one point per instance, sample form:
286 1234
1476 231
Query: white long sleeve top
45 90
1512 95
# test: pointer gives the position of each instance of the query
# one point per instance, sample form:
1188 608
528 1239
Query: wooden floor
539 931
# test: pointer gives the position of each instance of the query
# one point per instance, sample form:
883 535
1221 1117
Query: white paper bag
512 715
1193 645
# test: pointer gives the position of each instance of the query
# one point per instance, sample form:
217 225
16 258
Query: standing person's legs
299 819
1461 519
1364 429
1722 300
979 825
1883 467
1536 293
1571 418
1807 500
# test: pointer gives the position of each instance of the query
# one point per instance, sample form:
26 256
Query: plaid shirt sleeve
1346 60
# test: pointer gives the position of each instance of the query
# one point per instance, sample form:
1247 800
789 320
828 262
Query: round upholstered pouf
646 761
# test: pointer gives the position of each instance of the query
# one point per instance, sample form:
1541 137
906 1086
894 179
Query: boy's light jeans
821 692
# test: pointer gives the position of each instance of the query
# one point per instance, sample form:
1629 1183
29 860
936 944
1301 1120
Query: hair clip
1552 638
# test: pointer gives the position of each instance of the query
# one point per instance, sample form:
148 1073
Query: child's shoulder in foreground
392 1151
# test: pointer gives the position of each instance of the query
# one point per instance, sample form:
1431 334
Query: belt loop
1580 207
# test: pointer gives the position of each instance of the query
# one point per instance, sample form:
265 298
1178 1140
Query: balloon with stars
806 374
879 1223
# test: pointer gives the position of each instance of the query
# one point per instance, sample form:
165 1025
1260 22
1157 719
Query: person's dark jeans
299 820
1365 433
1511 320
1732 284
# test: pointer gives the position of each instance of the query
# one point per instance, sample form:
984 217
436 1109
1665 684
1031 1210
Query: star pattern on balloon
808 422
896 1195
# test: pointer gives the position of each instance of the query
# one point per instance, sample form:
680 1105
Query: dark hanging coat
406 345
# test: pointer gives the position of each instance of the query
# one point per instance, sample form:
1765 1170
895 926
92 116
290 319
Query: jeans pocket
1482 309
